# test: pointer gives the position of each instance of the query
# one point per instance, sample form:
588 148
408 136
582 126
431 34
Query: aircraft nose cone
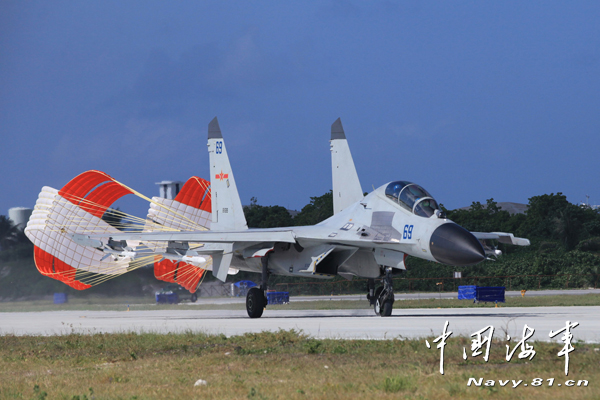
453 245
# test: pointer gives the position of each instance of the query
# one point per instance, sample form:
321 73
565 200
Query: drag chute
184 274
82 207
76 208
189 211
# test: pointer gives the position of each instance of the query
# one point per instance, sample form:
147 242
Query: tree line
564 251
550 220
565 245
12 238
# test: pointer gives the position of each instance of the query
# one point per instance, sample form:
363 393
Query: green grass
274 365
146 303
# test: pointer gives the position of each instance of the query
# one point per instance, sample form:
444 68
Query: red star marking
221 176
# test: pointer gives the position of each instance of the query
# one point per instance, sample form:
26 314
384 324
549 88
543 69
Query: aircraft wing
315 235
245 236
220 245
502 237
306 236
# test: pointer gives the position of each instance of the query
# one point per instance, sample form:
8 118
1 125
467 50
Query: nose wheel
384 296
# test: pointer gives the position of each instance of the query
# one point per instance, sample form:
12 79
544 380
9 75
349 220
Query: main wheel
376 305
194 297
255 302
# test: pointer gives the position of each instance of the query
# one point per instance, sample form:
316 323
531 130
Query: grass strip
276 365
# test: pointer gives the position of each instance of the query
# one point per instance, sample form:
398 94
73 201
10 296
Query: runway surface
398 296
350 324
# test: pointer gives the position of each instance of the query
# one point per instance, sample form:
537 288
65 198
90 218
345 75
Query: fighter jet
367 237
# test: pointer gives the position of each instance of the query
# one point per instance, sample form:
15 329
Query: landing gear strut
371 291
383 299
256 299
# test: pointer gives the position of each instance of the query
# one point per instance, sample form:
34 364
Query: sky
472 100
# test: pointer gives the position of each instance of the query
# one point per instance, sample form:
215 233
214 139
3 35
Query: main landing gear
382 299
256 299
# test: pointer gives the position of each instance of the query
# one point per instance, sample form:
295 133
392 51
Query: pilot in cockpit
412 197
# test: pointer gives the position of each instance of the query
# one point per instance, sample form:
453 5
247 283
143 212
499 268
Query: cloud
139 139
340 8
242 64
347 9
152 138
424 132
203 76
202 71
70 151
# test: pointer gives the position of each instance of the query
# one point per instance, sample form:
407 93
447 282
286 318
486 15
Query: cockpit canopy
412 197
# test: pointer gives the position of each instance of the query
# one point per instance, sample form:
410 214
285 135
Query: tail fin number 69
408 229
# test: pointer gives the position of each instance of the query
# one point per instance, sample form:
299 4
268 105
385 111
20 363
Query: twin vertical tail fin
227 212
346 186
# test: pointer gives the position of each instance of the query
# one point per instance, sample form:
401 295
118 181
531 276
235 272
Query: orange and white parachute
79 207
190 210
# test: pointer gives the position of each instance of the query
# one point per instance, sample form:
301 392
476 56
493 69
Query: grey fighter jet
367 237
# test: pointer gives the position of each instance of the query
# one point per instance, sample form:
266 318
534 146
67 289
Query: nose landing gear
383 298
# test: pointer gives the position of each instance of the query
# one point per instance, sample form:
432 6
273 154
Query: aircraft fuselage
362 238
